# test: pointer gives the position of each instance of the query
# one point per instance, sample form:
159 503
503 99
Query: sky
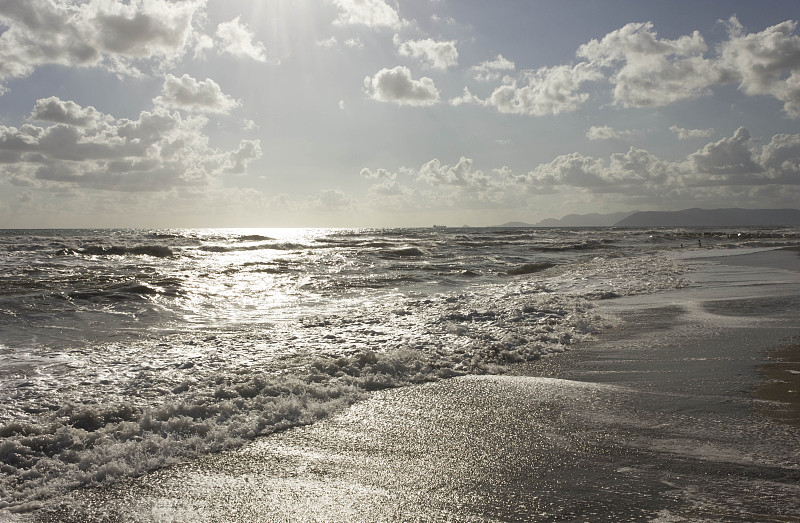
377 113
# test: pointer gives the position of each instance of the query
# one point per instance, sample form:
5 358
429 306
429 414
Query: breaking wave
157 251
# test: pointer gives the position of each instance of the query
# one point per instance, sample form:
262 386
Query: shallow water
124 351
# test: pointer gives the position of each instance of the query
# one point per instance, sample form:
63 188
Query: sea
124 351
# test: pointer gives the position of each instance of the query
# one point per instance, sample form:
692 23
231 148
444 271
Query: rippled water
126 350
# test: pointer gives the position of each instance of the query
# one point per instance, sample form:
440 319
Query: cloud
765 63
460 174
436 185
652 72
331 200
547 91
689 134
158 151
197 96
466 98
56 110
727 156
439 55
377 174
719 171
99 33
602 133
647 71
333 42
634 171
781 157
236 162
728 163
237 39
490 69
354 43
396 85
328 43
370 13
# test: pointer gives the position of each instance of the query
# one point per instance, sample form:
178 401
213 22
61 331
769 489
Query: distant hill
712 218
585 220
516 224
575 220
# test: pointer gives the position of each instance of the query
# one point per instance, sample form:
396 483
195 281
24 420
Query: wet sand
782 384
656 421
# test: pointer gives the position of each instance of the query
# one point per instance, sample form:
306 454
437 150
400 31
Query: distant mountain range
685 218
576 220
712 218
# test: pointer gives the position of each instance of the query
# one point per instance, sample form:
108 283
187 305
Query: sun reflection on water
247 276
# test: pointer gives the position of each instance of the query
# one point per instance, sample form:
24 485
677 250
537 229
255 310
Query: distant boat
440 226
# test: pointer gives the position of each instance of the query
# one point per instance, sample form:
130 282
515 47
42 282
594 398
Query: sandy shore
657 421
782 384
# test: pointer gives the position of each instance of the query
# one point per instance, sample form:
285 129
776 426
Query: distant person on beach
699 244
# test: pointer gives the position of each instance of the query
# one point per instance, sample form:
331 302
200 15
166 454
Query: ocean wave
283 246
127 290
401 252
578 246
530 268
254 238
157 251
122 434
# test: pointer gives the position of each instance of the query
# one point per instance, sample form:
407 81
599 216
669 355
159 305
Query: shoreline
654 421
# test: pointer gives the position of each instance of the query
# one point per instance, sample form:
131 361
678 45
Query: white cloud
648 71
56 110
377 174
328 43
727 156
606 132
236 162
550 90
490 70
354 43
688 134
636 171
191 95
99 33
719 171
781 156
602 133
371 13
460 174
237 39
439 55
653 72
156 152
466 98
331 200
396 85
436 185
765 63
333 42
202 44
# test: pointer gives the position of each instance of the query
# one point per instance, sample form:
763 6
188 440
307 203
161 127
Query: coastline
655 421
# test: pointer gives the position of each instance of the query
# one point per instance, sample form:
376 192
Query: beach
662 419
